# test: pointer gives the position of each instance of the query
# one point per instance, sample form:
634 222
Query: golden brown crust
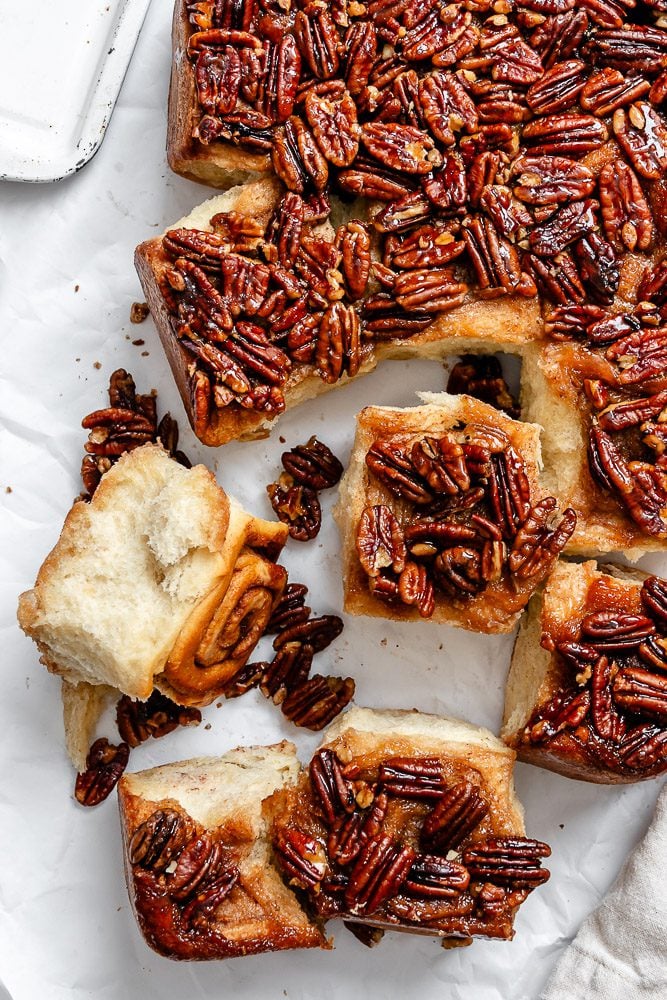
497 608
218 165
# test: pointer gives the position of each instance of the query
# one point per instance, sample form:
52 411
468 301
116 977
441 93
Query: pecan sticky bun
378 832
597 705
449 522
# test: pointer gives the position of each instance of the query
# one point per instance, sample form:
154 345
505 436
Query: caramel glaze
583 747
496 607
246 922
468 914
567 366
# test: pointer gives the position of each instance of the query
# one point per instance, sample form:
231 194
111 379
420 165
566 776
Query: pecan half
481 376
290 610
298 508
379 873
642 135
642 692
159 839
320 699
334 791
412 778
312 464
301 857
104 765
460 811
380 543
436 878
536 546
510 861
137 721
392 466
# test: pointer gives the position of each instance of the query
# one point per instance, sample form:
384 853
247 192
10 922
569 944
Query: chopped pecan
320 699
378 873
510 861
460 811
104 765
159 839
436 878
137 721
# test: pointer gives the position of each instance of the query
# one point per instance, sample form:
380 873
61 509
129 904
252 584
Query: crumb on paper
218 704
207 726
77 287
138 312
138 343
8 489
282 439
145 354
383 642
561 826
97 365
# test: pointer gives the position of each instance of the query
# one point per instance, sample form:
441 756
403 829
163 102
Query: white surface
62 64
66 930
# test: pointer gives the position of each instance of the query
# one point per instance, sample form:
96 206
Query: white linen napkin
620 951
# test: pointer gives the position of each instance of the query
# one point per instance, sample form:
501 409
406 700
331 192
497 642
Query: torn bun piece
198 857
586 694
442 515
161 580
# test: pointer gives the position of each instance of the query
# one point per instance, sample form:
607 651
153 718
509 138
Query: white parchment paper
66 286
